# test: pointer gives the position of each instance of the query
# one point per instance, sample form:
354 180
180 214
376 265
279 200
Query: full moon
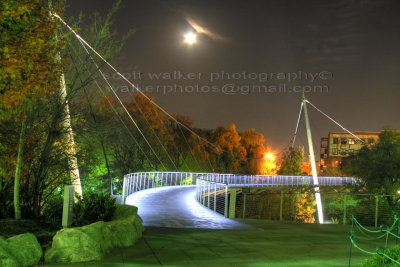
190 38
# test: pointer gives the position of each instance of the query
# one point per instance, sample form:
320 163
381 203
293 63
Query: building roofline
356 133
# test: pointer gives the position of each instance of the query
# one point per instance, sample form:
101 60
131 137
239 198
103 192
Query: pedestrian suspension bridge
218 191
212 190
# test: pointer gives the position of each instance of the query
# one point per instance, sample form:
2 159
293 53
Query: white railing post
215 197
203 195
197 189
128 185
134 183
124 190
208 195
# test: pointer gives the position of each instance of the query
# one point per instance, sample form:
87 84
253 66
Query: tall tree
254 143
182 140
379 165
153 123
28 70
29 78
291 161
228 149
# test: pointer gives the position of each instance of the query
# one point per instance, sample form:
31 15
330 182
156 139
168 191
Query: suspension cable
115 111
155 134
297 125
122 104
83 42
334 121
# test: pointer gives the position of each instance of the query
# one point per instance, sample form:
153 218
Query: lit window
351 141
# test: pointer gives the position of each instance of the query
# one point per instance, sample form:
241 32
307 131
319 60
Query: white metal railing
134 182
275 180
213 196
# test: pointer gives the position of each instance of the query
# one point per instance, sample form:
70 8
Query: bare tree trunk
72 160
18 168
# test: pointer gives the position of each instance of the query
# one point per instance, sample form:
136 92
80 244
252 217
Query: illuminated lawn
268 244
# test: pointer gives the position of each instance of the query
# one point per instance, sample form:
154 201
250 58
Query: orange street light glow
269 155
269 166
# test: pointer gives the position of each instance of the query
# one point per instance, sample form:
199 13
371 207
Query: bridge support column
244 205
215 197
232 203
226 202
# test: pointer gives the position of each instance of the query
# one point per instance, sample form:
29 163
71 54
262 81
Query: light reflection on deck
177 207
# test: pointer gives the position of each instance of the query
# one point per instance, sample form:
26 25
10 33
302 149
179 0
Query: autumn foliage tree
29 83
28 49
229 149
181 145
254 144
28 70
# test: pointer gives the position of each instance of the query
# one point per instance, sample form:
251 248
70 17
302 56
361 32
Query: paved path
176 207
174 238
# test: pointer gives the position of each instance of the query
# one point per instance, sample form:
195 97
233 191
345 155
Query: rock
73 245
100 233
124 233
123 211
127 226
92 241
138 222
6 259
20 250
71 254
25 248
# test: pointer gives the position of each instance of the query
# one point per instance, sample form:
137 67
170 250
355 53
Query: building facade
339 145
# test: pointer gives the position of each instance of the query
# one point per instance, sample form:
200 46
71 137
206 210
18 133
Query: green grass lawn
269 243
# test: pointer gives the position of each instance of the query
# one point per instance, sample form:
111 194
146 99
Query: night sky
352 46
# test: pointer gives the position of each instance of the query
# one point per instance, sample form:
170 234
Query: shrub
52 211
306 208
377 260
94 207
187 181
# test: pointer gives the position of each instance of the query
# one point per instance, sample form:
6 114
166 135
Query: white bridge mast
312 159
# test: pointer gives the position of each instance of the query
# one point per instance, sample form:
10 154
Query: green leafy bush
94 207
52 211
187 181
378 260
